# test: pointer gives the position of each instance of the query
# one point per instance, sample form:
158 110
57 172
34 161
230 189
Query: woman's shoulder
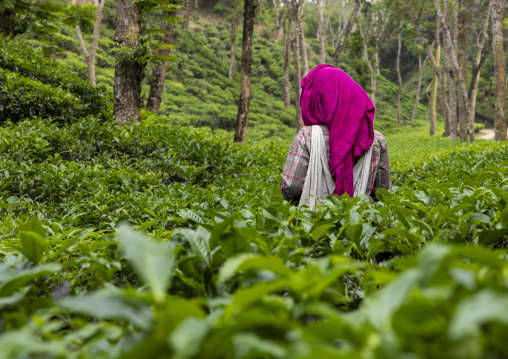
379 140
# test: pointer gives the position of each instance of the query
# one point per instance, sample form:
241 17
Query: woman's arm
295 169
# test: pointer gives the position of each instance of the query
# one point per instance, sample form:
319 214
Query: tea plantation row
214 264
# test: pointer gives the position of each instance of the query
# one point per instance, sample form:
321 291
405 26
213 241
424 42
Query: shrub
18 56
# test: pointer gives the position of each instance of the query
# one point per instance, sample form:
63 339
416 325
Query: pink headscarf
330 97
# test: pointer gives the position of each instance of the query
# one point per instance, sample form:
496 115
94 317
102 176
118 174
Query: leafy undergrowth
214 264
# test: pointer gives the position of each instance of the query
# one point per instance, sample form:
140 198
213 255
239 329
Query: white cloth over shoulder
318 181
361 173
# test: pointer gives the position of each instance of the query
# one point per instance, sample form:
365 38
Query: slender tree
421 66
462 61
189 5
232 54
321 30
435 80
90 55
478 62
455 66
294 9
347 31
499 71
303 44
435 64
128 70
158 78
245 91
287 59
399 77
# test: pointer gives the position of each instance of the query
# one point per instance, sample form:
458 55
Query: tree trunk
158 79
232 47
303 45
444 103
128 72
452 98
421 66
287 59
347 30
399 94
373 79
435 80
475 78
321 38
296 53
245 92
462 57
188 11
487 105
499 71
455 66
90 56
260 9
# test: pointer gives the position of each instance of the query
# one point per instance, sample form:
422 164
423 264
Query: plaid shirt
297 163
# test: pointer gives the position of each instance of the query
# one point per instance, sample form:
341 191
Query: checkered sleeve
380 170
295 169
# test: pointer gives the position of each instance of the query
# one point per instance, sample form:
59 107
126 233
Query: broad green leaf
471 313
187 337
33 240
244 262
10 283
113 306
199 240
153 261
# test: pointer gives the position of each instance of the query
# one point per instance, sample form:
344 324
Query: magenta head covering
330 97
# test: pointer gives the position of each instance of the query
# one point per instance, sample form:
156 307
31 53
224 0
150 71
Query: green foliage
221 267
32 84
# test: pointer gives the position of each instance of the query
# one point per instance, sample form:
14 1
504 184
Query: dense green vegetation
159 240
260 276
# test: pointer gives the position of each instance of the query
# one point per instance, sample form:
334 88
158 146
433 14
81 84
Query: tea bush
219 266
32 84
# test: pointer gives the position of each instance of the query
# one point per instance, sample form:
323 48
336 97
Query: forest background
115 112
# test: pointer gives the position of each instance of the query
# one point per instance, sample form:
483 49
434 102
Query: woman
345 114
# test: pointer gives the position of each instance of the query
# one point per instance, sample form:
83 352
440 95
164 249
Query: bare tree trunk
499 71
260 9
435 67
349 27
287 59
373 80
233 40
487 105
320 35
296 53
462 57
128 71
303 45
399 94
435 80
90 56
444 103
277 30
245 92
188 11
158 79
421 66
452 98
375 63
475 78
455 66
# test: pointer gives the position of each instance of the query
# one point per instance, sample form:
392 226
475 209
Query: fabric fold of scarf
330 97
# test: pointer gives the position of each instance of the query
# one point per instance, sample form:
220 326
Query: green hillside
164 239
199 93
